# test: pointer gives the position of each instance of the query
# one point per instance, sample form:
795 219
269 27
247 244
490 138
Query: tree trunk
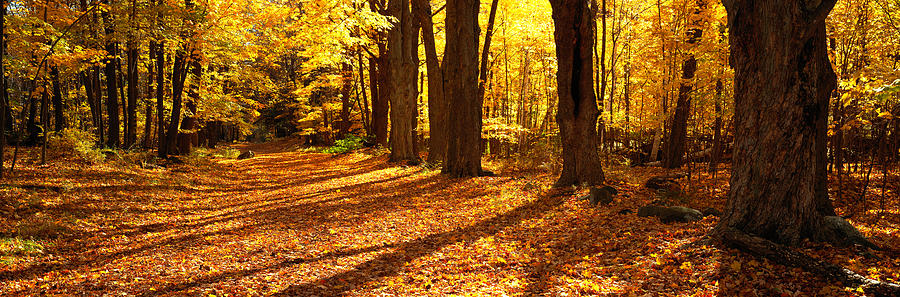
4 91
437 105
362 91
460 74
148 114
674 152
162 143
402 72
112 83
346 89
179 73
783 80
188 136
486 51
717 132
58 104
577 110
381 97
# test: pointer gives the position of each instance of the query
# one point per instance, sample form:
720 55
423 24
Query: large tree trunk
577 112
460 75
403 69
437 105
783 80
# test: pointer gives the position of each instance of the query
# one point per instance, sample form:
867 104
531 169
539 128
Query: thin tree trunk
112 83
674 155
717 132
59 116
346 89
486 51
437 105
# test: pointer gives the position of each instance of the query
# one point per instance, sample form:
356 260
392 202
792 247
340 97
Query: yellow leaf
736 266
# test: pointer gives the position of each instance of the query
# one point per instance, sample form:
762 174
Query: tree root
781 254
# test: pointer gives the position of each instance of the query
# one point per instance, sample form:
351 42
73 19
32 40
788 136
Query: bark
674 152
402 72
783 81
460 74
577 109
437 105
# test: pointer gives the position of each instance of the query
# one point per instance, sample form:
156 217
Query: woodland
450 148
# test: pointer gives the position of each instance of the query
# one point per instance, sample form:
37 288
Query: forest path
304 224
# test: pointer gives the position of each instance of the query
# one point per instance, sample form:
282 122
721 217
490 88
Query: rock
664 183
246 155
844 229
625 211
487 173
709 211
603 195
671 214
530 186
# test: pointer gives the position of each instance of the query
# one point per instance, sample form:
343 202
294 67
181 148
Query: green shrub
227 153
79 142
351 143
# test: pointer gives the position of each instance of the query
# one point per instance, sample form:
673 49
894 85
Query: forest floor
297 223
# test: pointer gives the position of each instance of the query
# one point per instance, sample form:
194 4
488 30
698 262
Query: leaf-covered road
303 224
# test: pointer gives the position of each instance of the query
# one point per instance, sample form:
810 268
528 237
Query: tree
674 152
577 112
437 105
112 81
402 71
460 74
783 80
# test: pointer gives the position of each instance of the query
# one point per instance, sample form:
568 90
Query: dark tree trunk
98 101
717 131
179 73
4 92
162 144
347 71
131 113
112 83
148 113
437 106
59 116
402 72
461 89
188 136
486 50
783 80
577 110
33 128
380 97
674 153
